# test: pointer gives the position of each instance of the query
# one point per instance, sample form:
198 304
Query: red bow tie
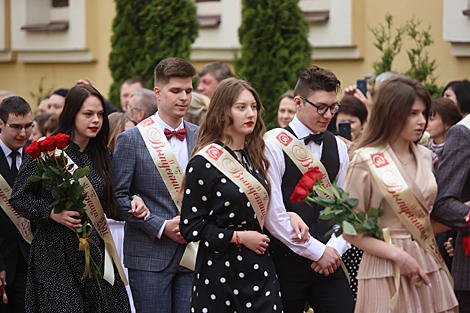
181 134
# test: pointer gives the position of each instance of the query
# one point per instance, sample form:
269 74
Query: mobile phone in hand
362 86
344 130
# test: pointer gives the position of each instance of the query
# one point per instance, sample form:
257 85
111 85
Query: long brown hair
117 123
218 119
391 109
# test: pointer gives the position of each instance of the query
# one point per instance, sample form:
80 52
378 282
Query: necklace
404 164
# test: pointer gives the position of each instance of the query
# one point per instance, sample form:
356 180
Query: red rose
299 194
466 245
57 157
306 182
314 173
33 150
48 144
61 140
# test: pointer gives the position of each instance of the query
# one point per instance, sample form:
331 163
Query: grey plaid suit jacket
453 182
135 173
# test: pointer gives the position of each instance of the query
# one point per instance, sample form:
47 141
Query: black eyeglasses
18 128
321 109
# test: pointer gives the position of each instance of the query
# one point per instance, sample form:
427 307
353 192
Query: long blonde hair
218 119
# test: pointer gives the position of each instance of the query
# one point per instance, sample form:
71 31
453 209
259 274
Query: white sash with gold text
253 189
23 225
403 202
299 154
170 171
96 214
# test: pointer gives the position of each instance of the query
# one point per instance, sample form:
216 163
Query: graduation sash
403 202
253 189
22 224
299 154
95 212
170 171
465 121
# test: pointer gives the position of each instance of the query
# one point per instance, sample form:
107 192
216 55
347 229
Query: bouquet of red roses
54 169
338 207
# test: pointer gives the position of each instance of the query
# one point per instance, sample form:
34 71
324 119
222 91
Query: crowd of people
197 197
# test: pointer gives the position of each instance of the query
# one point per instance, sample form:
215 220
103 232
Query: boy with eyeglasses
308 271
16 123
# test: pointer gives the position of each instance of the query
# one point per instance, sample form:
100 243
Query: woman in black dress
234 271
56 265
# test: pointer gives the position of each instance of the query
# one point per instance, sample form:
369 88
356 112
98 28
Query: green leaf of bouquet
331 231
34 178
336 192
83 172
369 224
373 213
351 202
361 216
326 200
349 229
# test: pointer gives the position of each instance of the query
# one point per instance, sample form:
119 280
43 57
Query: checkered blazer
135 173
453 182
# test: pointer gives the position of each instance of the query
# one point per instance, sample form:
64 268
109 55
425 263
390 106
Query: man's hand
172 230
3 281
449 247
328 263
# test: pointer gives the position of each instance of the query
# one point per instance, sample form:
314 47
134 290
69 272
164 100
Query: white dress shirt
277 221
180 150
7 151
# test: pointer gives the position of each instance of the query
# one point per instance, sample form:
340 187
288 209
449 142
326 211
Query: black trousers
300 283
16 291
463 296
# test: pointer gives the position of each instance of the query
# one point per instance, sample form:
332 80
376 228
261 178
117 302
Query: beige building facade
43 39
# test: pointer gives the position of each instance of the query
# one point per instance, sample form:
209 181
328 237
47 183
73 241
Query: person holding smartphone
354 112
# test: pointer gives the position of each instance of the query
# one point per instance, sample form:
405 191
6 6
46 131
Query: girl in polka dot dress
234 271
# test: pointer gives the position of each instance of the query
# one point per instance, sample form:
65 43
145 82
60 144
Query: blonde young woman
234 271
386 159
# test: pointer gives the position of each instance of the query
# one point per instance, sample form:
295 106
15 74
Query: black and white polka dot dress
225 279
56 265
352 259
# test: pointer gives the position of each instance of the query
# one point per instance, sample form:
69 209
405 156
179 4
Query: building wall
343 43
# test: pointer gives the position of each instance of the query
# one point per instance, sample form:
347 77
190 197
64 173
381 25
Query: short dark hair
173 67
132 81
61 92
354 107
220 70
451 85
316 78
447 109
13 105
462 93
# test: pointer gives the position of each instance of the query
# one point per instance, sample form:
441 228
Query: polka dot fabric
226 278
352 259
56 265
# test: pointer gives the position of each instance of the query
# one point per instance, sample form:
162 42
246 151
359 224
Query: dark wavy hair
98 145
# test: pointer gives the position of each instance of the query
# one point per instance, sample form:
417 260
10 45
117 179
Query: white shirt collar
7 150
165 125
299 128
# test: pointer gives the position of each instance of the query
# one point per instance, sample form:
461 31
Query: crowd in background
227 276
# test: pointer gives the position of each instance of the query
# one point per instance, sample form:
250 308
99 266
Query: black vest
308 212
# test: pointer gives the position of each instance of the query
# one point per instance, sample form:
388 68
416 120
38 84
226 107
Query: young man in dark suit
153 248
308 271
16 123
453 191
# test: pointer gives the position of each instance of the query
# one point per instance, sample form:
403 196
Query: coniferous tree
275 49
144 33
